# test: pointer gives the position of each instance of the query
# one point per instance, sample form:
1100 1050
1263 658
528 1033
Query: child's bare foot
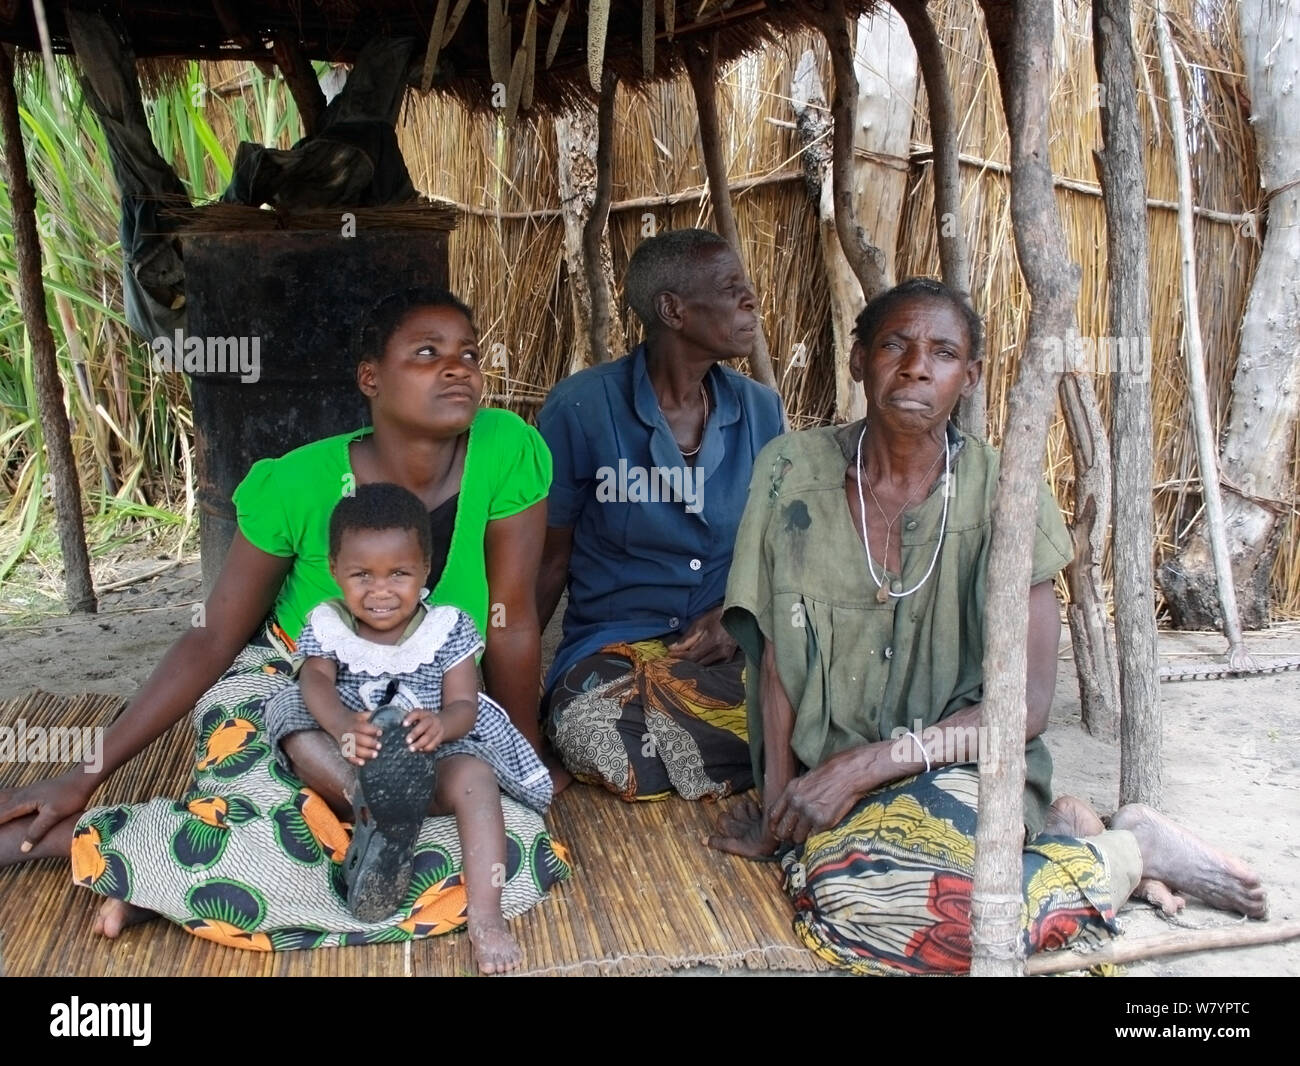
495 949
116 915
1070 816
560 777
1181 861
1158 894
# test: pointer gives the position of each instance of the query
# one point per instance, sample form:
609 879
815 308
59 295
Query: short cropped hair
666 263
379 323
868 323
380 506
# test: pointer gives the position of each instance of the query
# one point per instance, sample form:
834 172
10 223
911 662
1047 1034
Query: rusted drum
275 312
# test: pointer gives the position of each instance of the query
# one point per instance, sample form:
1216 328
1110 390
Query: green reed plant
131 425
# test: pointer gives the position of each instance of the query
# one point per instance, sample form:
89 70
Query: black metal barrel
298 294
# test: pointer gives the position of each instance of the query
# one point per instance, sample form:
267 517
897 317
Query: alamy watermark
655 484
945 745
21 743
1075 354
208 355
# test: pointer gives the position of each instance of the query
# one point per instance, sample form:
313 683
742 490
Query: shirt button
896 587
911 525
696 564
889 653
673 622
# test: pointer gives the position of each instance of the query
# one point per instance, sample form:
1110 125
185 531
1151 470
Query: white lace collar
361 656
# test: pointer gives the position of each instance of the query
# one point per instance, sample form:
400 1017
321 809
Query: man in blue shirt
652 459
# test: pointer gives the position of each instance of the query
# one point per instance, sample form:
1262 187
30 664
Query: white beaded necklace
884 591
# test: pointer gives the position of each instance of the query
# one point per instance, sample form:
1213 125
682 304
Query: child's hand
424 730
358 737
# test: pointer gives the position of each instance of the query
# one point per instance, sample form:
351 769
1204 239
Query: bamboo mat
646 896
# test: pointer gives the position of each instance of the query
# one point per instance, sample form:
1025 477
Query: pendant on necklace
882 594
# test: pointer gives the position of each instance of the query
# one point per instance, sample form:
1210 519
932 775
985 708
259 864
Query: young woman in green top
484 476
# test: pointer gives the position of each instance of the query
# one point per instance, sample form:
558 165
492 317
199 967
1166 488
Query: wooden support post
1020 34
1122 174
1181 942
78 588
886 72
576 145
1090 632
954 255
301 79
1207 459
1257 448
702 68
865 258
593 232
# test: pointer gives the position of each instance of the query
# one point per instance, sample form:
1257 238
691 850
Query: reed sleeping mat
646 897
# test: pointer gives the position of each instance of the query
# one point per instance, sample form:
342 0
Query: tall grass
131 426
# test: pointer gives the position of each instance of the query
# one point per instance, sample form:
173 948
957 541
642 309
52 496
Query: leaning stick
1184 942
436 31
1206 456
453 23
557 31
498 30
702 68
519 90
593 230
530 43
648 38
597 27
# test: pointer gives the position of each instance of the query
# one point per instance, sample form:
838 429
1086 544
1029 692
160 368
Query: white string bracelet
922 748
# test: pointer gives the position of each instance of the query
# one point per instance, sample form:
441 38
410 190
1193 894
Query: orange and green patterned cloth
252 858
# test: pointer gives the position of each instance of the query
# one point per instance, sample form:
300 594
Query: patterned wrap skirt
252 858
887 891
645 724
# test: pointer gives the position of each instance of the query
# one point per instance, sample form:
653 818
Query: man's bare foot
1158 894
1184 863
116 915
495 950
1070 816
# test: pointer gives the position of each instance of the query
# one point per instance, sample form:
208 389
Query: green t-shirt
858 671
284 506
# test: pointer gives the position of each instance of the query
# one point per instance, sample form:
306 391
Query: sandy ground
1231 747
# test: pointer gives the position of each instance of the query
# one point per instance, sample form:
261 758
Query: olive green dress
887 890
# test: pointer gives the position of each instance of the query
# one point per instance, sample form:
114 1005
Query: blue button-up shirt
652 535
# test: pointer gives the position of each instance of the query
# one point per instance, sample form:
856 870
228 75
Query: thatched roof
163 33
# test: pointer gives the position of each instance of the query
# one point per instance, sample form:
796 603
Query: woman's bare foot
495 950
116 915
1158 894
1070 816
1184 863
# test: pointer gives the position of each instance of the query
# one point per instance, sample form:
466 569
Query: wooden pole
593 233
1020 34
78 588
867 261
1206 453
886 70
1122 174
954 255
1257 439
1090 632
301 79
702 68
576 146
1183 942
